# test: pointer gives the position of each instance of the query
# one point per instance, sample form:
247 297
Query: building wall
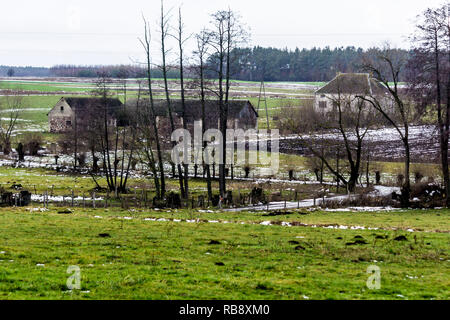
325 103
61 117
246 119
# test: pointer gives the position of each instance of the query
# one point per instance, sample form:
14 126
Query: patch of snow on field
383 191
40 198
361 209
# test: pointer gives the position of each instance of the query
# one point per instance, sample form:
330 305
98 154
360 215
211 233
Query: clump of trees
31 143
225 34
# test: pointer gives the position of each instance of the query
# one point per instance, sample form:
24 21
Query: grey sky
48 32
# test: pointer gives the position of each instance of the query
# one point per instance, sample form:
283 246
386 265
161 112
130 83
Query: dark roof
194 108
82 104
353 83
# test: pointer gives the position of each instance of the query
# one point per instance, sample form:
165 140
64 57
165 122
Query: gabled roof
353 83
82 104
194 108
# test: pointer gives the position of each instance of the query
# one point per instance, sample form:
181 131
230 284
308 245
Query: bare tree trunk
443 122
161 188
394 71
183 102
367 168
75 152
164 33
202 40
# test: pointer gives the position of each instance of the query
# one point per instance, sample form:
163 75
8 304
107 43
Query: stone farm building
62 117
241 114
348 86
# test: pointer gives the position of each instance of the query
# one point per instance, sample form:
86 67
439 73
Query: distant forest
249 64
24 71
313 65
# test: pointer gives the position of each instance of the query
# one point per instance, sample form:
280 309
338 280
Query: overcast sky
49 32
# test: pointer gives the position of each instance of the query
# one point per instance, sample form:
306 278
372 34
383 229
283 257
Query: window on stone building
322 104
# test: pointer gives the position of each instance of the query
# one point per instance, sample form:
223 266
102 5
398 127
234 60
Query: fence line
142 200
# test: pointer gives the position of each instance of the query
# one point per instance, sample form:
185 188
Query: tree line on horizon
249 64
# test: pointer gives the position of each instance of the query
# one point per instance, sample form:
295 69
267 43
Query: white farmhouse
348 87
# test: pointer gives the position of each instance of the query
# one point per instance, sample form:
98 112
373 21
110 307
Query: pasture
127 255
137 253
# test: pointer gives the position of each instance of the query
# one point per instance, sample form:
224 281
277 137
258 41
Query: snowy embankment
42 198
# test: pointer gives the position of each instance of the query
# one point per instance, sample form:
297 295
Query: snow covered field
384 144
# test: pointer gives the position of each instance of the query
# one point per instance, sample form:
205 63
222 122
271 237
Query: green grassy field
241 259
179 260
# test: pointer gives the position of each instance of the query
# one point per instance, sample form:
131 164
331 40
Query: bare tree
10 109
114 135
143 120
430 76
160 186
181 40
226 34
347 124
164 30
201 52
397 112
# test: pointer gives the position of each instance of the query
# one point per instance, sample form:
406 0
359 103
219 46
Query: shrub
426 195
418 176
32 143
247 171
296 119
